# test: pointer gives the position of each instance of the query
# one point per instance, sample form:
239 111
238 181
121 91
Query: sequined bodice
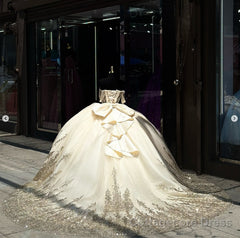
111 96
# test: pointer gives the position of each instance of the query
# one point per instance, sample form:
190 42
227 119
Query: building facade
178 61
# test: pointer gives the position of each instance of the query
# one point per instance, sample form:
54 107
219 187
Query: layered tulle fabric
110 171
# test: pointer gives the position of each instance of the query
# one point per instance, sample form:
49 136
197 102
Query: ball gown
110 173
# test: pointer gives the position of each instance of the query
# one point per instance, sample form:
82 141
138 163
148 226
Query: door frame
33 76
188 83
32 86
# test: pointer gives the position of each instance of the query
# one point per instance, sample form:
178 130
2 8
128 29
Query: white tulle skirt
109 171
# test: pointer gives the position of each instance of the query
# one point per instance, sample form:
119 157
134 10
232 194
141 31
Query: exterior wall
189 84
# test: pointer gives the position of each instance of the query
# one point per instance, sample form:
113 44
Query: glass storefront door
143 59
128 41
8 79
90 48
77 57
48 75
76 53
228 63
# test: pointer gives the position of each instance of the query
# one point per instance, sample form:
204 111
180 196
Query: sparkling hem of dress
33 209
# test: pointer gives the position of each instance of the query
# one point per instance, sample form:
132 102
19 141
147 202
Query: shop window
144 59
228 78
8 83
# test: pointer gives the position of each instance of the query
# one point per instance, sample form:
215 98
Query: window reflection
49 77
230 80
125 40
144 63
8 83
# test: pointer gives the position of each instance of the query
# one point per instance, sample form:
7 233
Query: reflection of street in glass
5 118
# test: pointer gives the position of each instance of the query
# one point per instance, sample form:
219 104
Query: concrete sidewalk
21 157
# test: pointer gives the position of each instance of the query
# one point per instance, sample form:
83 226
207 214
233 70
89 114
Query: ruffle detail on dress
117 119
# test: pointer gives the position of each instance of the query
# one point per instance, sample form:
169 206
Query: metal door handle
176 82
